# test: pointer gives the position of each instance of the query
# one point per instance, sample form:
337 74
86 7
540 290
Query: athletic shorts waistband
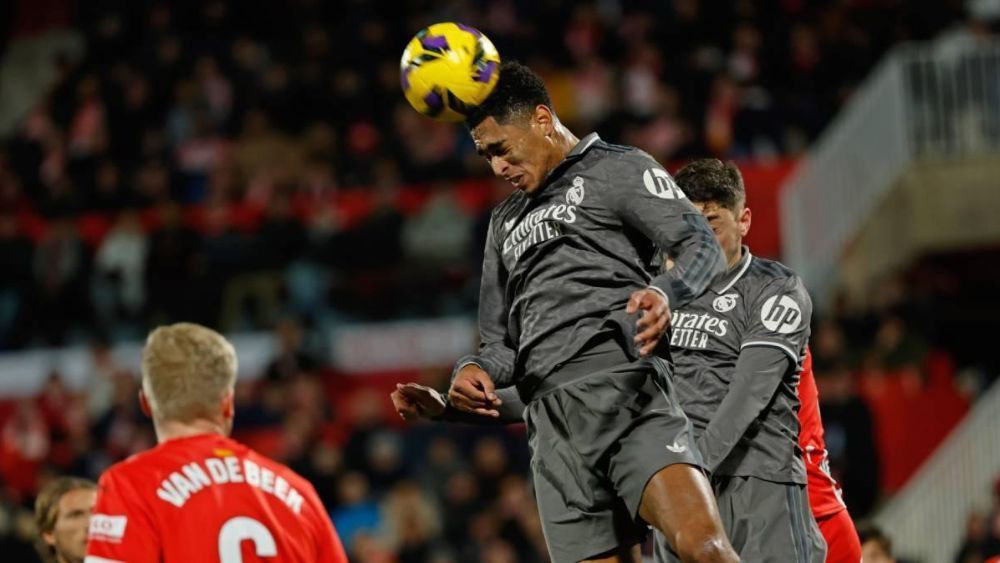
598 356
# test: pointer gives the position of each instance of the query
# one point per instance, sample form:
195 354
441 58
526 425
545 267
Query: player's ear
744 220
544 119
144 404
229 405
48 538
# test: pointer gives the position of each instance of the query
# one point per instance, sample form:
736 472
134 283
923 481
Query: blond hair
47 508
187 370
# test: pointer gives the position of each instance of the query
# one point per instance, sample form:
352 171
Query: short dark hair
517 93
711 180
870 532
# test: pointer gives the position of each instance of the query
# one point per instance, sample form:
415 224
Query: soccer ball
447 69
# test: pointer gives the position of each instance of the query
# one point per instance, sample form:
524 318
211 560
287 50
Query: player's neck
735 258
172 429
564 141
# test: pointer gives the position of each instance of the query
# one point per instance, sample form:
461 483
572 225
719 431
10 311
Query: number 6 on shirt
235 530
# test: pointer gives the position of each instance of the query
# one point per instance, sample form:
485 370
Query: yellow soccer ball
448 69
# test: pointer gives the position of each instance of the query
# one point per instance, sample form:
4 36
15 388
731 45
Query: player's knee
705 548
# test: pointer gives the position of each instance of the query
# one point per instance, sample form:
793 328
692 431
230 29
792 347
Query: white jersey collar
726 282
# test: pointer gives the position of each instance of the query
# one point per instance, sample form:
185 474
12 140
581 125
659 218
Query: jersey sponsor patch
574 195
536 227
660 184
104 527
781 314
725 303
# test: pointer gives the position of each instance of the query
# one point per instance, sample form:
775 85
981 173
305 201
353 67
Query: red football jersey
208 498
824 492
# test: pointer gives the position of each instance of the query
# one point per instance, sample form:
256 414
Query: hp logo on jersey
781 315
660 184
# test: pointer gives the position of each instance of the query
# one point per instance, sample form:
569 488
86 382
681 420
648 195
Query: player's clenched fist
413 401
472 390
654 318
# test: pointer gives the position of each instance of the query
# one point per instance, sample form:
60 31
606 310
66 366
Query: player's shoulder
137 468
622 155
765 279
138 462
306 492
287 473
510 204
620 168
764 271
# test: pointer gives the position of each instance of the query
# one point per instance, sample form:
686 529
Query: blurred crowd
245 160
273 120
436 492
225 100
982 535
239 267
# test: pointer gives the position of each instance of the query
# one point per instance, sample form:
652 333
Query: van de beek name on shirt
179 486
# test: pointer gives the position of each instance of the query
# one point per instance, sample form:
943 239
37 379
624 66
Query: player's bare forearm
414 402
509 411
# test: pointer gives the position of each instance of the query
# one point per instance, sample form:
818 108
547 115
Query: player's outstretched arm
495 355
645 197
414 401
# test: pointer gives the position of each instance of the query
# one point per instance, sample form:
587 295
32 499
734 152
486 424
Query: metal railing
938 100
927 518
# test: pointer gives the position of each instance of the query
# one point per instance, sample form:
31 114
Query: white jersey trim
96 559
742 271
590 142
782 347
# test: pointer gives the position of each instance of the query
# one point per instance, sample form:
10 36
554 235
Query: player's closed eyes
493 150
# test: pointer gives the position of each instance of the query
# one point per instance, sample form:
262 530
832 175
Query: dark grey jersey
561 263
737 353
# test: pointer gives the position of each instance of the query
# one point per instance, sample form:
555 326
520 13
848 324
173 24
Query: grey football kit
750 441
737 352
560 265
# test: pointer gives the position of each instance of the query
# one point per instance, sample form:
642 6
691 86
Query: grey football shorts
598 430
